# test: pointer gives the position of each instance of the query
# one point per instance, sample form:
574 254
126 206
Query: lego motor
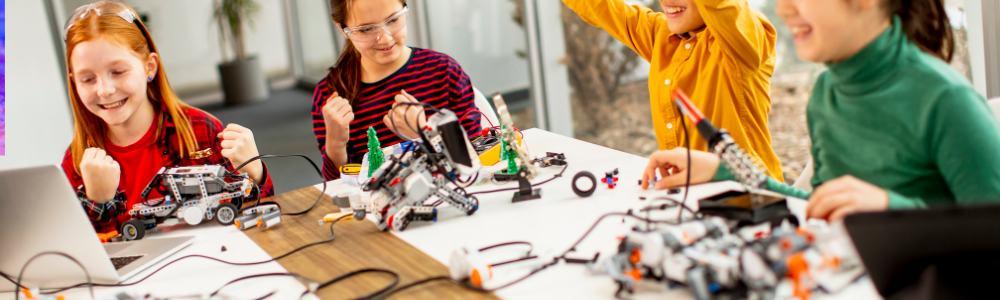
265 215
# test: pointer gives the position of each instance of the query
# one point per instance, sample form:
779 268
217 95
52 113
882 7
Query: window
488 39
609 81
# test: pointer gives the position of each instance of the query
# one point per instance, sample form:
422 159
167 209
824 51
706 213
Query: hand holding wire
401 116
238 146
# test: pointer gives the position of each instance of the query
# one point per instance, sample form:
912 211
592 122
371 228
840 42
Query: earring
149 79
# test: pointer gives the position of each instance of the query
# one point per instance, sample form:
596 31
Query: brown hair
88 129
926 24
345 75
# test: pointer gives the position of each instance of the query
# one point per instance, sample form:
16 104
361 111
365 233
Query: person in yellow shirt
718 51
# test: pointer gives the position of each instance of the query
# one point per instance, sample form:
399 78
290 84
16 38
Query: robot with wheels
192 194
401 187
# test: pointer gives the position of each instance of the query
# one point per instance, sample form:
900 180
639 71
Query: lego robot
401 187
715 263
192 194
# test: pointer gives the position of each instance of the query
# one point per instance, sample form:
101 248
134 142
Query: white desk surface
554 222
194 276
551 224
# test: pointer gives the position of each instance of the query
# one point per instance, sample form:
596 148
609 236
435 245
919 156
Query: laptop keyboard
120 262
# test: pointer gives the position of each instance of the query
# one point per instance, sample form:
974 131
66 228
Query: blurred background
3 76
556 72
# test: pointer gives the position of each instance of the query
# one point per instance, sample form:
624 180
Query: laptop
937 253
39 212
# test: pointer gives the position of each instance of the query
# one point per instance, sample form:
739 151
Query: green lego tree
375 155
507 153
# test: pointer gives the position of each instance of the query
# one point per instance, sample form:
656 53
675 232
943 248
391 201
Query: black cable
293 251
394 275
528 256
506 244
554 261
681 204
481 116
470 181
420 133
268 295
429 280
311 162
20 274
12 280
687 145
244 278
408 125
560 174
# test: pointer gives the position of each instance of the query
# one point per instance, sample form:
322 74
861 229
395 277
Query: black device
747 208
525 191
484 142
449 133
938 253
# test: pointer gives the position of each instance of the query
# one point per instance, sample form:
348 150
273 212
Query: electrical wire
20 274
674 202
687 181
262 275
345 276
429 280
555 260
554 177
311 162
481 115
276 258
411 126
469 181
507 244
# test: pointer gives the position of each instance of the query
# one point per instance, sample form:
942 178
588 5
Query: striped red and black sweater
431 77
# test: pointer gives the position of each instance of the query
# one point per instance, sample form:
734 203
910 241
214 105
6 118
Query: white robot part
418 187
192 215
466 266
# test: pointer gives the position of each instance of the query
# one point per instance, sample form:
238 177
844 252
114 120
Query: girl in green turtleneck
892 125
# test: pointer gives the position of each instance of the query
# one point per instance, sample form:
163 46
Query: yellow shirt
725 68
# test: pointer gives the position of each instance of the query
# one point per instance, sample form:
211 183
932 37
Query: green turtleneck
904 120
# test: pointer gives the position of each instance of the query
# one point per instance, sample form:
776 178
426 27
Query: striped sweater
433 78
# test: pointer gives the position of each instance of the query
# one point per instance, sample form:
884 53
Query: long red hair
90 130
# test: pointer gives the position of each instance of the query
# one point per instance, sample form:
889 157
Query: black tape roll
593 184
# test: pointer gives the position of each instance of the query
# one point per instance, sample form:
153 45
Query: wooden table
358 244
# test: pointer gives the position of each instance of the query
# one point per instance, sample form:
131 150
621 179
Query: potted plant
243 81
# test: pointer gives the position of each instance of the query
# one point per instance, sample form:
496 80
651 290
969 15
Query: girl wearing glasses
375 73
128 122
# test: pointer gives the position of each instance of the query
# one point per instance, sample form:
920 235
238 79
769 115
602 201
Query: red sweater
142 159
431 77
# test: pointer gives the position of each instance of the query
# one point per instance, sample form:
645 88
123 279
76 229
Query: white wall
316 35
483 38
38 119
984 45
187 37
